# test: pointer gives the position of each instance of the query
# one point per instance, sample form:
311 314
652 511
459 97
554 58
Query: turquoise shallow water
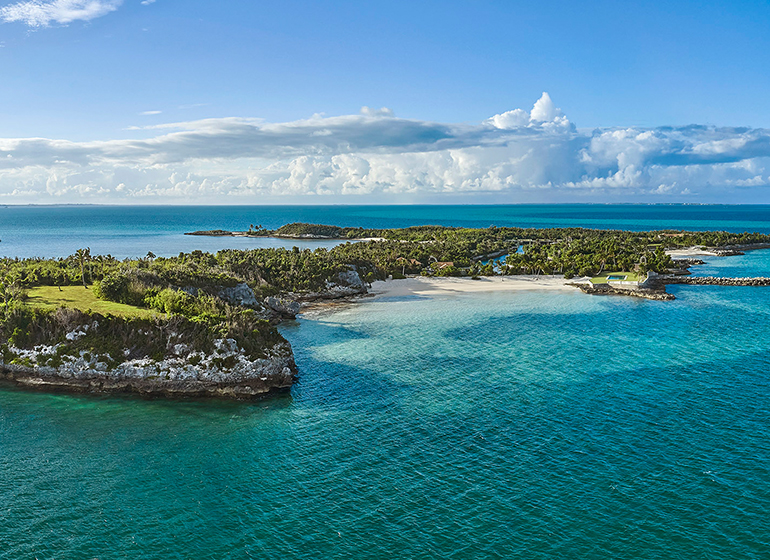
520 425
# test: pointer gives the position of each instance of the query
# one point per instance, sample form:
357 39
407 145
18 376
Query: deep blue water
525 425
132 231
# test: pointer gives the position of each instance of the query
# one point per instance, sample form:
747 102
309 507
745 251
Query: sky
329 102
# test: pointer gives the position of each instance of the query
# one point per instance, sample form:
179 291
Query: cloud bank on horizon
516 156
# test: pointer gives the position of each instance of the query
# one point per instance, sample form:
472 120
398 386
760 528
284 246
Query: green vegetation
146 306
415 250
112 339
76 297
257 231
630 277
186 284
309 230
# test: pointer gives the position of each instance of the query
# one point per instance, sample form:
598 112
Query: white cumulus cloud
544 112
517 156
41 13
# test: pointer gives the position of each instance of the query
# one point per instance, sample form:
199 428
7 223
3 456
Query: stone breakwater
655 288
226 373
732 250
715 281
608 290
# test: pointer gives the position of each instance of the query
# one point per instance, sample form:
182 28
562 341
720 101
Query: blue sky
125 100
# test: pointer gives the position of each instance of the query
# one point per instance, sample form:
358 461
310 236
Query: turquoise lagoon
534 424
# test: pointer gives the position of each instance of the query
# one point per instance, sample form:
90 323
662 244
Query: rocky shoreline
227 233
716 281
227 372
655 289
659 294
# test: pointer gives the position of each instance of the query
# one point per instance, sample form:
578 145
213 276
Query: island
204 325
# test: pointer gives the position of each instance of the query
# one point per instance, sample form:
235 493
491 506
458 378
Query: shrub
112 287
170 301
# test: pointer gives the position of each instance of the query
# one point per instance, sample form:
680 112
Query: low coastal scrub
113 340
310 230
429 250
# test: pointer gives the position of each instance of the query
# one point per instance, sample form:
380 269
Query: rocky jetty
212 233
687 263
715 281
609 290
655 287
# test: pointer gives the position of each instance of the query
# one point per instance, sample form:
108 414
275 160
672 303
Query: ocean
132 231
525 425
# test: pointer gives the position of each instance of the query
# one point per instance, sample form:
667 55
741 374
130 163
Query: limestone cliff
227 372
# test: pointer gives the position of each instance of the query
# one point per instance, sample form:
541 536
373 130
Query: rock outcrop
226 373
347 283
687 263
240 294
715 281
609 290
284 307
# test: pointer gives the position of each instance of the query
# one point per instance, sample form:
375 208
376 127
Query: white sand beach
425 285
421 285
690 252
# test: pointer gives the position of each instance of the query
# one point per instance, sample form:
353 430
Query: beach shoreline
444 286
422 285
690 252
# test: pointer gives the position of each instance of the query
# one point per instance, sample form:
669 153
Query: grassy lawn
78 297
630 277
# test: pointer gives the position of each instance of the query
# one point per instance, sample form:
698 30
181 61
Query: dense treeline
309 230
188 283
671 238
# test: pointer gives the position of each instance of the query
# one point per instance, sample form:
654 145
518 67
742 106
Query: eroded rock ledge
227 373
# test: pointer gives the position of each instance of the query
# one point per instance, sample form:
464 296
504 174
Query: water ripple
526 426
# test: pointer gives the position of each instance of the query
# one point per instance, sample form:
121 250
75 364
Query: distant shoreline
305 237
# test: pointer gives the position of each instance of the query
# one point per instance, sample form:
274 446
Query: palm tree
83 256
101 260
10 290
